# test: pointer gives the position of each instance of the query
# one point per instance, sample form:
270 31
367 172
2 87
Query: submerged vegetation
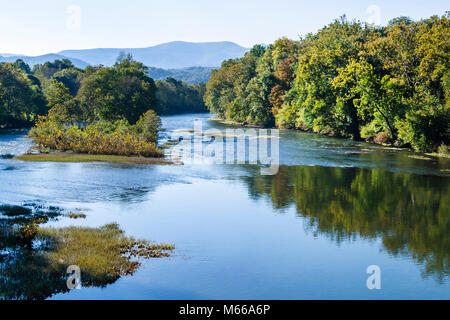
34 259
381 84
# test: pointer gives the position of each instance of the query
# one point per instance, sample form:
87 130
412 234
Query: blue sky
38 27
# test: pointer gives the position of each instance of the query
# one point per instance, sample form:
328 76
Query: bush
117 138
369 132
148 126
27 234
444 150
381 138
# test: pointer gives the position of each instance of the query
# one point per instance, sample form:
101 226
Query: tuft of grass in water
103 255
73 215
34 260
75 158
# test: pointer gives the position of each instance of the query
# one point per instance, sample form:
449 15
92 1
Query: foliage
98 110
48 69
36 260
349 79
118 138
191 75
148 126
21 99
107 138
62 105
123 91
176 97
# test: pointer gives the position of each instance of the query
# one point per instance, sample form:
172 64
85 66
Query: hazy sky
38 27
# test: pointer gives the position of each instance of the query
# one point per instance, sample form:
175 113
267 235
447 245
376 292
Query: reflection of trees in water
410 213
37 269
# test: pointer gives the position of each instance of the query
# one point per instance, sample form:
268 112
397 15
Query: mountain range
171 55
31 61
187 61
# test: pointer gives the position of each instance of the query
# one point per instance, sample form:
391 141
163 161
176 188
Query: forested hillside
191 75
123 91
350 79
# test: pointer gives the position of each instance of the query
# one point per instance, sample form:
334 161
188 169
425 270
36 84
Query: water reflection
409 213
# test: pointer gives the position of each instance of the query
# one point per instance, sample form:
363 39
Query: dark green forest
99 110
387 85
191 75
123 91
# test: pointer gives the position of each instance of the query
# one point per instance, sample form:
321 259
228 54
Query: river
335 208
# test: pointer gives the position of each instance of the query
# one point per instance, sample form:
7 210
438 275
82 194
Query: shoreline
236 123
67 157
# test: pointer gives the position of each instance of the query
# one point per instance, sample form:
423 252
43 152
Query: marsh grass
75 216
34 259
104 254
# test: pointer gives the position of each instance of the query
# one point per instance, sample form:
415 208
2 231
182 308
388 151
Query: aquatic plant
73 215
34 259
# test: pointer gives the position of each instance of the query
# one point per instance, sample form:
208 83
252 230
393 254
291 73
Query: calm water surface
309 232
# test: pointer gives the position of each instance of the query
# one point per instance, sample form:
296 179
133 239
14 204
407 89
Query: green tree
62 105
124 91
21 100
148 126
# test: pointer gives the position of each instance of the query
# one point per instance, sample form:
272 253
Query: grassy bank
76 157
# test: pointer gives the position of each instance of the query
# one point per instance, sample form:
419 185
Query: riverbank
246 125
77 157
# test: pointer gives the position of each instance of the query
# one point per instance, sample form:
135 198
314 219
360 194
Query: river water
311 231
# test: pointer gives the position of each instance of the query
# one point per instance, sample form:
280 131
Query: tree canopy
350 79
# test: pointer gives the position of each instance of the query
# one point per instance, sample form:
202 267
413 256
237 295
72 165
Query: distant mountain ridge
191 75
186 61
31 61
171 55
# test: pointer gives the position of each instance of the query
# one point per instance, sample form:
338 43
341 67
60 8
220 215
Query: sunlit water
335 208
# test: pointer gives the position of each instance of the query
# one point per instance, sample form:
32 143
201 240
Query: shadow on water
409 213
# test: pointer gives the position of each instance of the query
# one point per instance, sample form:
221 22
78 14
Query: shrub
444 150
381 138
148 126
27 234
369 131
98 138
